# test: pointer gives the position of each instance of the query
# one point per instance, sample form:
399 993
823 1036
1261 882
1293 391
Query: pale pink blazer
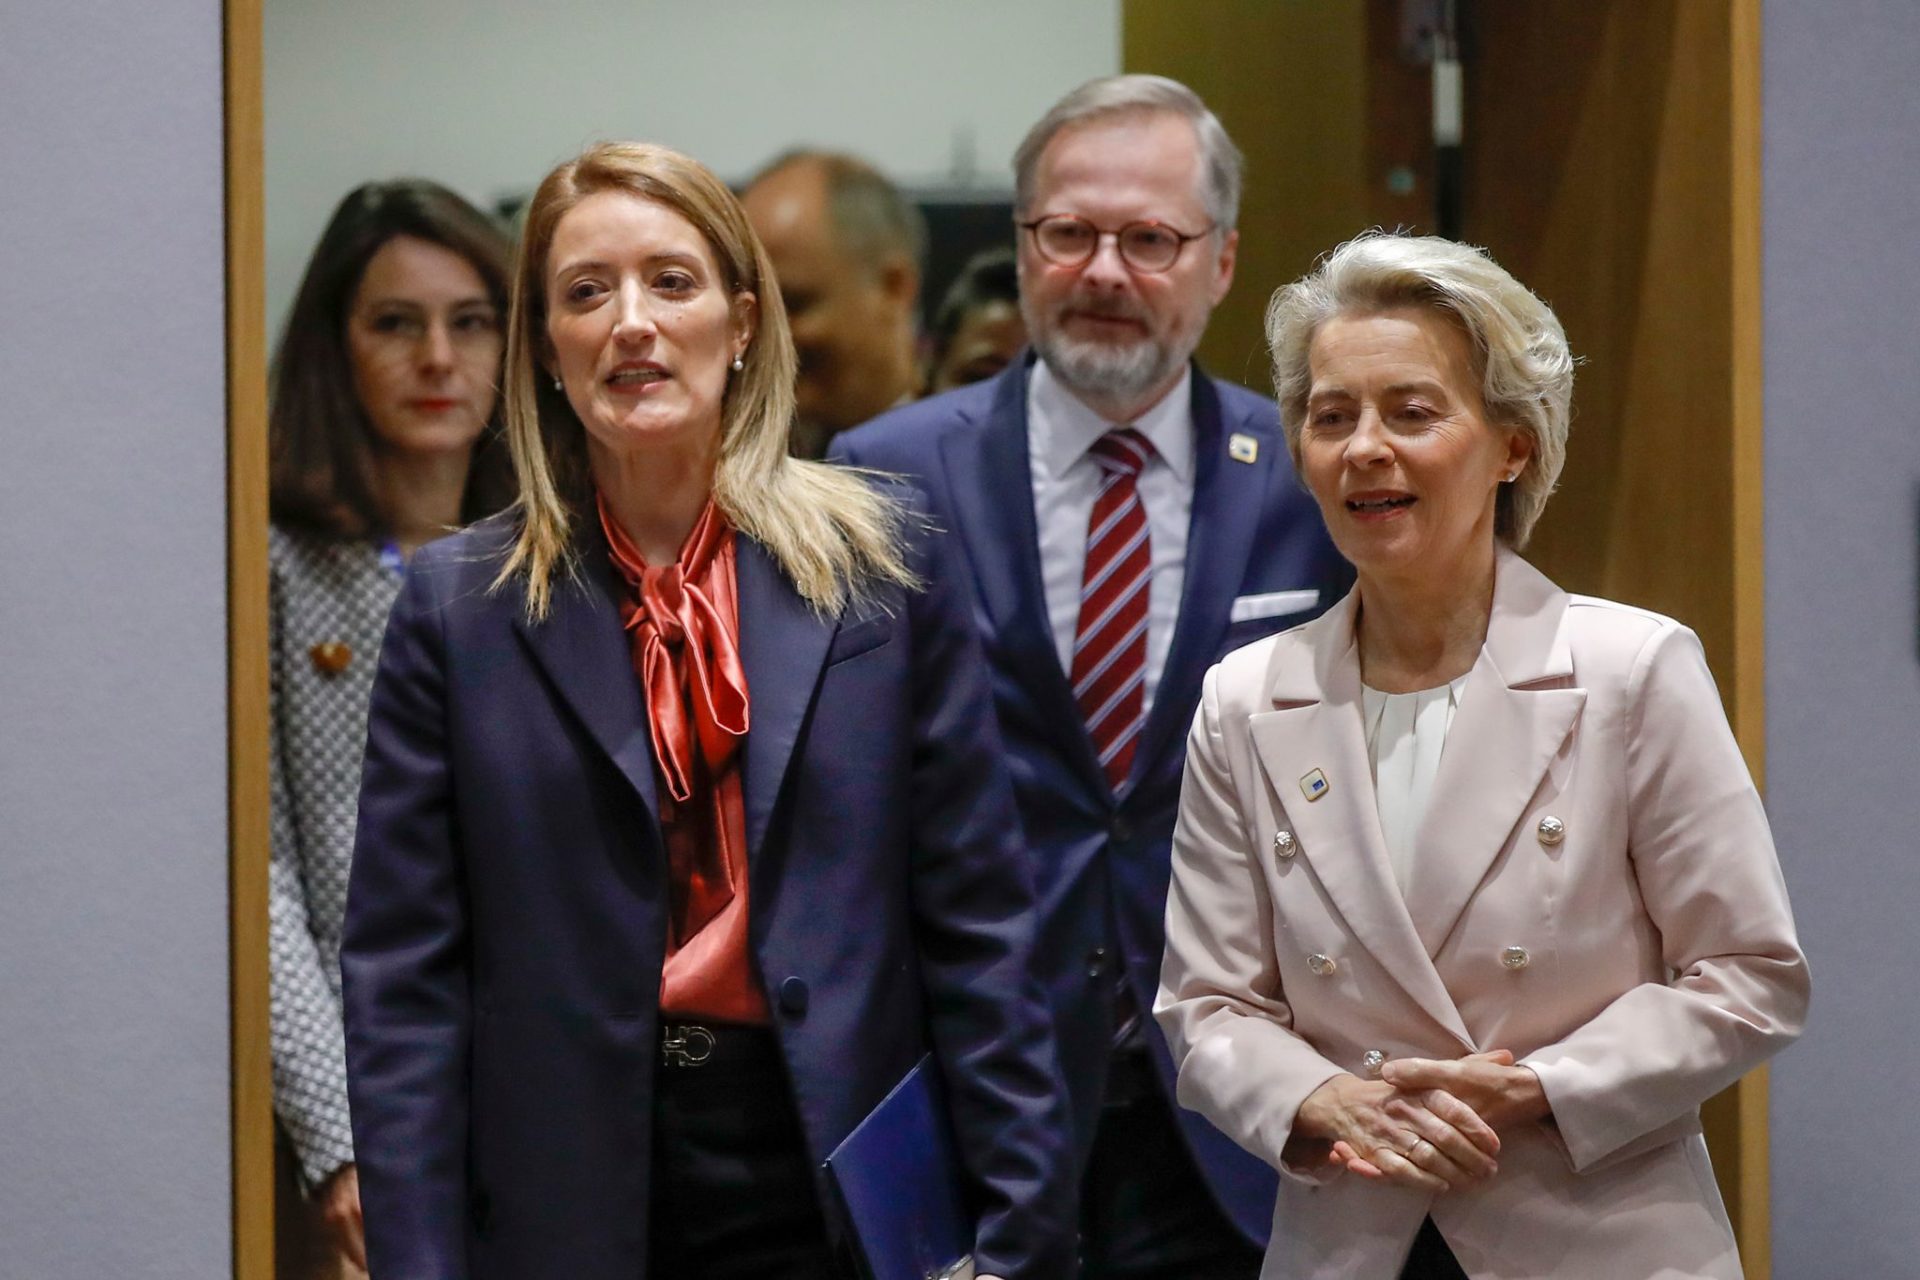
1639 957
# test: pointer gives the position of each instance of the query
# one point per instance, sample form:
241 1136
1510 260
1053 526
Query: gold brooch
330 657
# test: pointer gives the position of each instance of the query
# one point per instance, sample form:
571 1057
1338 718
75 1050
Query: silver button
1552 830
1371 1061
1321 965
1284 844
1515 958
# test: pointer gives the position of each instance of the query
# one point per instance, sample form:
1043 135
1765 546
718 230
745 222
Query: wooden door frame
1753 1178
249 723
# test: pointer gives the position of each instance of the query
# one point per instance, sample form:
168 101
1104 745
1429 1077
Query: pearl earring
558 385
739 363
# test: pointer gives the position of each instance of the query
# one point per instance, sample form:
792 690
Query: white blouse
1405 732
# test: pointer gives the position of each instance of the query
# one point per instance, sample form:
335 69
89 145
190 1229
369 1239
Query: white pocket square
1272 604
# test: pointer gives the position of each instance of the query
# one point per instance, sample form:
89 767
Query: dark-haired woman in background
383 426
978 330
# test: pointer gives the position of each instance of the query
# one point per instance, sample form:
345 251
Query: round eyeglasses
1068 240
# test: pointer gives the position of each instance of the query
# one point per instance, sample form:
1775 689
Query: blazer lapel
991 471
1228 497
1317 725
588 657
1516 710
783 646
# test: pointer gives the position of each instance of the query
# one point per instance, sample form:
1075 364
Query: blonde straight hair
827 527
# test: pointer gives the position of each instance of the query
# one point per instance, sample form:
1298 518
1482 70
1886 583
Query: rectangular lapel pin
1243 448
1314 784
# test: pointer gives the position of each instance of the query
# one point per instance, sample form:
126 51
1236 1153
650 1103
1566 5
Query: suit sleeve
973 928
1226 1018
404 960
306 1033
1704 860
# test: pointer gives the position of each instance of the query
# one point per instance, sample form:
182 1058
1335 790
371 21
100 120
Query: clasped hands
1428 1123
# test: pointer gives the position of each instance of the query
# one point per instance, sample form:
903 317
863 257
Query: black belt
716 1044
1130 1077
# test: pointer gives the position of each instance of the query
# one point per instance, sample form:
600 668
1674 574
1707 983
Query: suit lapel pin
330 658
1243 448
1315 784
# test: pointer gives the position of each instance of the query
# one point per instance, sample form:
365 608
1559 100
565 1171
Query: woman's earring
558 385
739 363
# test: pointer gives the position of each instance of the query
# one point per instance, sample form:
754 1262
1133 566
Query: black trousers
1431 1259
1145 1210
732 1184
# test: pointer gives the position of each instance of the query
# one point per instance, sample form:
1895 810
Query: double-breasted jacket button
1321 966
1096 962
794 998
1552 831
1371 1061
1284 845
1515 958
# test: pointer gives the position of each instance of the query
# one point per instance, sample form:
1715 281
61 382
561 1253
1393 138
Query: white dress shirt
1060 431
1405 733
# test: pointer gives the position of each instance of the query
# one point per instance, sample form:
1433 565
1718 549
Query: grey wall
487 97
1842 148
113 1009
114 1149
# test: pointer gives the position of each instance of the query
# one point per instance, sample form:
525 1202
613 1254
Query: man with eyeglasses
1127 520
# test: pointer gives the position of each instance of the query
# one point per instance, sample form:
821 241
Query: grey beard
1107 371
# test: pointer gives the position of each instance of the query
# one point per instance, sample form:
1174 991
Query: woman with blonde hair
1473 900
684 833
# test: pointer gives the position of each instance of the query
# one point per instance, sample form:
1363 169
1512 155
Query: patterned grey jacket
329 603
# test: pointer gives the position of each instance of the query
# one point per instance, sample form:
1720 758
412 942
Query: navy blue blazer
506 919
1102 861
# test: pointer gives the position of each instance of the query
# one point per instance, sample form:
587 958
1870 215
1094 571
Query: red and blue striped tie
1110 645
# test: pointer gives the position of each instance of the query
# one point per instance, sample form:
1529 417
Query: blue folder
899 1181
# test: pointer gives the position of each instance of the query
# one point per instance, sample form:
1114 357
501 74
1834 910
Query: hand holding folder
899 1180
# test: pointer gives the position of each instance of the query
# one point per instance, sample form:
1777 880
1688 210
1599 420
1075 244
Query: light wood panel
1327 112
1289 82
248 721
1599 168
1612 163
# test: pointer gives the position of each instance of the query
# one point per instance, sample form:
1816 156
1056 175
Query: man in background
1127 520
978 330
847 249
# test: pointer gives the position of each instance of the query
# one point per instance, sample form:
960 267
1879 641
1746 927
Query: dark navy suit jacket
506 919
1101 861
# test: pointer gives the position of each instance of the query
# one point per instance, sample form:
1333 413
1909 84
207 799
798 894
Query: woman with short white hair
1474 902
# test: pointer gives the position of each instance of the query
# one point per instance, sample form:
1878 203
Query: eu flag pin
1243 448
1314 784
